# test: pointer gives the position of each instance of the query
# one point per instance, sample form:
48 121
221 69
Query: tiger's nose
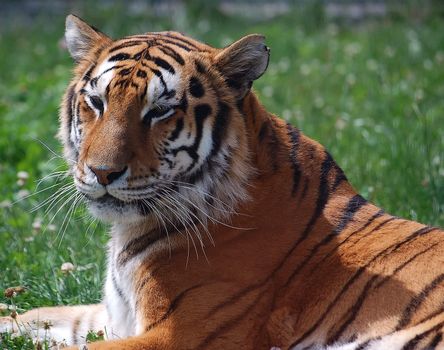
106 175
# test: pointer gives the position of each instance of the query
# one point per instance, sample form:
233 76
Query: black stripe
197 175
311 155
353 311
218 333
323 196
153 70
176 132
160 76
432 315
309 347
69 106
200 67
147 37
141 73
163 64
357 274
94 80
274 146
294 135
366 343
168 94
196 88
413 342
122 56
404 264
263 131
183 105
420 232
376 228
149 275
87 75
267 136
116 287
126 71
352 208
138 245
122 83
126 44
173 306
184 47
173 54
138 56
435 341
219 127
182 39
340 177
70 115
143 94
417 301
201 112
305 188
235 84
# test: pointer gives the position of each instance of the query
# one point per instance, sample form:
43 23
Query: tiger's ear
243 62
81 37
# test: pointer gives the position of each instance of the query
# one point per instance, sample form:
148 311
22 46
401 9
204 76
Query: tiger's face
151 124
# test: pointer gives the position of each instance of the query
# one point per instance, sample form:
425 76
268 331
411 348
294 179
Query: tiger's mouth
109 208
108 199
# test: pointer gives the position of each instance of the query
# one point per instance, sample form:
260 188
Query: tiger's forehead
152 66
147 69
167 39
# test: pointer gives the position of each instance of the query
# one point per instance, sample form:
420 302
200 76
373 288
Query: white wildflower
51 227
352 49
37 224
305 69
23 175
350 79
67 267
6 204
22 194
372 65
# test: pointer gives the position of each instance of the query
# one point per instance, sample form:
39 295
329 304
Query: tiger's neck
281 153
299 189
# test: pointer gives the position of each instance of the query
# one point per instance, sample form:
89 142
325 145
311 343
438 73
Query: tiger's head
151 124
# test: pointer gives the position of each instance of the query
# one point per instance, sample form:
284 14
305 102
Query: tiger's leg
65 324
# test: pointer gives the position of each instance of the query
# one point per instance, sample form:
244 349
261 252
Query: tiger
230 229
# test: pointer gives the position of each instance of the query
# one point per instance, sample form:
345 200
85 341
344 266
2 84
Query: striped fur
230 228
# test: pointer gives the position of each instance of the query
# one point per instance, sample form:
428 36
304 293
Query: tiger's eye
156 112
97 103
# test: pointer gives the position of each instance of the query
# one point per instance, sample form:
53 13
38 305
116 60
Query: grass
371 93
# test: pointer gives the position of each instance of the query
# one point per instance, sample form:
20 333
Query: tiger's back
167 142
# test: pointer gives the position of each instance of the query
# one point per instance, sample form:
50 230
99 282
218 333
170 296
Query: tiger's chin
113 210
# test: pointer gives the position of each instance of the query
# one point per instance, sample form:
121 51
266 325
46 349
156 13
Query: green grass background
371 92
